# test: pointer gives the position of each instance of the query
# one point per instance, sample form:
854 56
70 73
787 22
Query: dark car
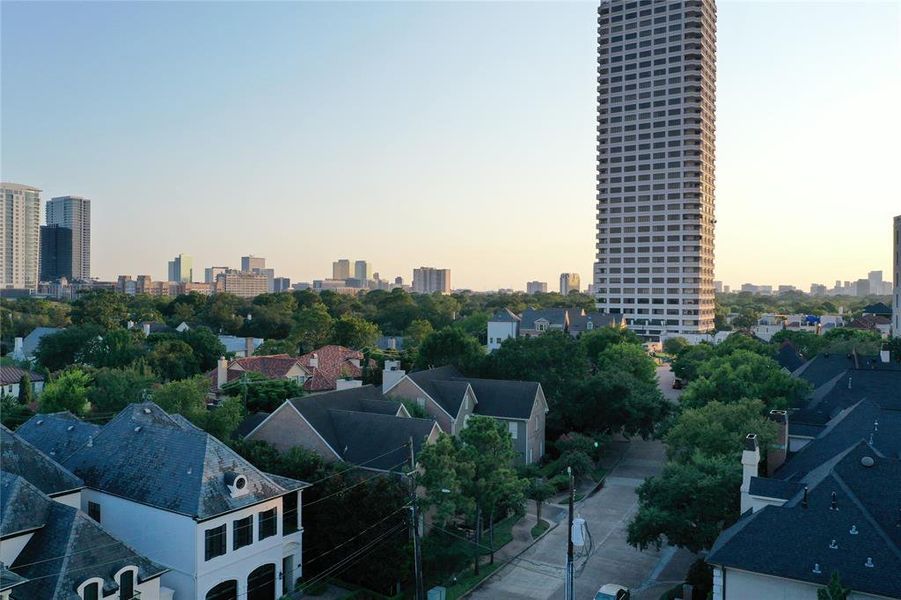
677 384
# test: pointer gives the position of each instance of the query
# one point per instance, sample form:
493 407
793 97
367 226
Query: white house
222 528
502 325
11 376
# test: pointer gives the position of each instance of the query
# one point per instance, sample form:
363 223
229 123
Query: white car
612 591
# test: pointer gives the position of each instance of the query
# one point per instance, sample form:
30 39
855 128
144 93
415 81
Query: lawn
539 529
467 580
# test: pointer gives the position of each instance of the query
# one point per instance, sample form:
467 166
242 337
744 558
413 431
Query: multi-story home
329 365
450 398
505 324
223 529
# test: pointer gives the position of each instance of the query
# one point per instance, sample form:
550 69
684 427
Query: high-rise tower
74 212
655 189
20 236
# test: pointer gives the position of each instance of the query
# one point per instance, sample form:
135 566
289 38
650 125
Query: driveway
665 380
538 573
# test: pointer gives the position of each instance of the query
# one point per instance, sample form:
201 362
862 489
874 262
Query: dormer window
236 484
127 584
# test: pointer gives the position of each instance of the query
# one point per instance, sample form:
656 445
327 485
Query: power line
341 491
344 543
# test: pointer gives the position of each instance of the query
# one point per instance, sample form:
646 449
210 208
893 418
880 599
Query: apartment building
20 232
74 212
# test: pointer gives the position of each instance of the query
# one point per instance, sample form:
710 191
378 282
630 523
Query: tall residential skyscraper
570 282
56 252
655 188
362 270
20 232
536 287
428 280
181 269
341 269
74 212
896 291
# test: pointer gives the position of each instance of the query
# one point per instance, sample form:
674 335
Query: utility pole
569 590
419 593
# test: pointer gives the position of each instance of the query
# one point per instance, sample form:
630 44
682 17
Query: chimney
391 374
314 361
130 324
346 384
750 461
221 372
146 328
248 346
355 362
778 451
885 356
18 349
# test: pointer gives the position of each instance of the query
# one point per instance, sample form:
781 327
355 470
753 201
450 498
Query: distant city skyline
516 131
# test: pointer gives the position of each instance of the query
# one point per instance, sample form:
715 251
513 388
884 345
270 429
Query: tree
13 414
450 346
313 326
416 333
443 477
719 429
685 365
808 344
539 490
173 359
220 313
116 348
205 346
59 350
114 389
834 590
597 340
613 401
675 345
68 392
354 332
259 393
104 308
222 421
688 504
628 358
186 397
26 390
554 359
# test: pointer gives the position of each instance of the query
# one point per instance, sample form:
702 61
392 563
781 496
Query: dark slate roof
504 399
21 458
854 385
288 483
440 384
879 308
774 488
377 440
788 357
579 323
554 316
788 541
249 424
69 549
150 457
22 506
822 368
8 579
10 375
31 341
57 434
505 315
804 429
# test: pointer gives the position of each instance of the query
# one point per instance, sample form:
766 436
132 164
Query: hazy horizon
458 135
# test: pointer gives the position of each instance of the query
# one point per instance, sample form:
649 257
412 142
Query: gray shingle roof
554 316
504 399
57 434
250 423
788 357
505 315
774 488
22 506
69 549
31 341
440 384
21 458
9 580
10 375
578 323
148 456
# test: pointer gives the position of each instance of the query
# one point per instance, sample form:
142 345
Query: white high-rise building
655 185
428 280
536 287
20 232
362 270
896 280
74 212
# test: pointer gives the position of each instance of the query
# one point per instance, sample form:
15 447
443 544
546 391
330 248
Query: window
127 585
514 430
214 542
268 523
94 511
289 513
420 402
243 532
91 591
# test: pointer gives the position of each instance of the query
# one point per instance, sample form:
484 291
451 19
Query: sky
449 134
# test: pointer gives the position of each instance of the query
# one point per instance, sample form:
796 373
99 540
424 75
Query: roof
361 426
788 357
390 342
774 488
237 345
505 315
579 323
57 435
31 341
848 389
10 375
21 458
879 308
443 385
810 543
8 579
251 422
22 506
504 399
554 316
335 362
69 549
274 366
150 457
870 322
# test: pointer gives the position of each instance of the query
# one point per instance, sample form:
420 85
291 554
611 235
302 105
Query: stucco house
11 376
505 324
450 398
223 529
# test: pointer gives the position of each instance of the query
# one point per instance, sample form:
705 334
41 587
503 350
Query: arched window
91 591
227 590
127 585
261 583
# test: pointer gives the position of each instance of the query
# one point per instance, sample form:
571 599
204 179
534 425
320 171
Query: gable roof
788 357
578 323
335 362
150 457
444 385
31 341
789 540
505 315
879 308
21 458
251 422
557 317
274 366
22 506
57 434
10 375
504 399
870 322
68 550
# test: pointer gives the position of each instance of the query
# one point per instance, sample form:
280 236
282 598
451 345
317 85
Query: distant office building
250 264
56 252
656 84
718 287
125 284
74 212
281 284
570 282
896 292
817 289
197 287
785 288
428 280
341 269
241 283
536 287
210 273
874 278
20 232
362 270
727 289
181 268
398 281
862 287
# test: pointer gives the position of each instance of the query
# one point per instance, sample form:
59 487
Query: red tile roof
335 362
275 366
9 375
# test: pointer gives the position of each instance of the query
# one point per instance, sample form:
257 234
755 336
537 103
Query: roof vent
70 427
869 562
834 504
146 411
236 484
854 530
867 461
53 453
138 429
90 441
816 569
876 425
804 501
40 421
833 545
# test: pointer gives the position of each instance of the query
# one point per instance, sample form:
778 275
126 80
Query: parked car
677 384
612 591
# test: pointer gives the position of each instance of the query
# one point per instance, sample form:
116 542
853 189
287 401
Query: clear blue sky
454 134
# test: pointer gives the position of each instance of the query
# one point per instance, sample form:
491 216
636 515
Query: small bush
560 482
